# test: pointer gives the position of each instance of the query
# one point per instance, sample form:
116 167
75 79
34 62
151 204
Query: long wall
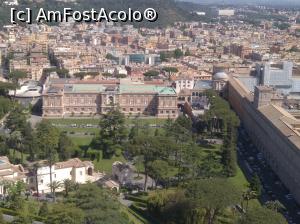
282 154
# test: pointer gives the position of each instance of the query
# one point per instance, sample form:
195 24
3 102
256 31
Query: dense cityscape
193 118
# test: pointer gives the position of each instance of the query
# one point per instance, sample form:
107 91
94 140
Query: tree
14 192
110 57
276 206
98 205
55 185
5 87
247 196
213 195
65 213
113 132
158 169
261 215
4 149
229 153
65 147
22 219
44 210
15 76
169 207
107 74
36 166
170 70
30 142
178 53
47 141
16 120
255 184
68 185
151 73
80 75
163 57
187 53
15 142
63 73
150 148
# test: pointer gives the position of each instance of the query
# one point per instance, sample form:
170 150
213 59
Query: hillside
168 10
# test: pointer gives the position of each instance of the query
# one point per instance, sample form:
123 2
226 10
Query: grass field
103 165
95 121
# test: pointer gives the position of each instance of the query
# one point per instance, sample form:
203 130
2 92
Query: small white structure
226 12
184 83
11 2
10 173
28 90
74 169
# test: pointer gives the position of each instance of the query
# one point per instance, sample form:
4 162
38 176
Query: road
252 161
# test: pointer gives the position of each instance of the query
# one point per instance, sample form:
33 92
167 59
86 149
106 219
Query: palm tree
274 205
54 186
36 166
247 196
68 184
16 142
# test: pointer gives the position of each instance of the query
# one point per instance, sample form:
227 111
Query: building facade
74 169
10 173
274 131
91 99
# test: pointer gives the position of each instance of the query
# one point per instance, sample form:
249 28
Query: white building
74 169
10 172
184 83
226 12
11 2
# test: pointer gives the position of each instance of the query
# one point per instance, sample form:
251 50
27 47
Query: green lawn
64 124
77 121
95 121
104 164
82 141
241 183
239 180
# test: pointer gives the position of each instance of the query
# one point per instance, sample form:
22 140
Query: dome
220 76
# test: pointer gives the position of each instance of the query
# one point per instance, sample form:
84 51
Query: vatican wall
281 153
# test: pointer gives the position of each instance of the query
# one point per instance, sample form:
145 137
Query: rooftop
79 88
141 88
